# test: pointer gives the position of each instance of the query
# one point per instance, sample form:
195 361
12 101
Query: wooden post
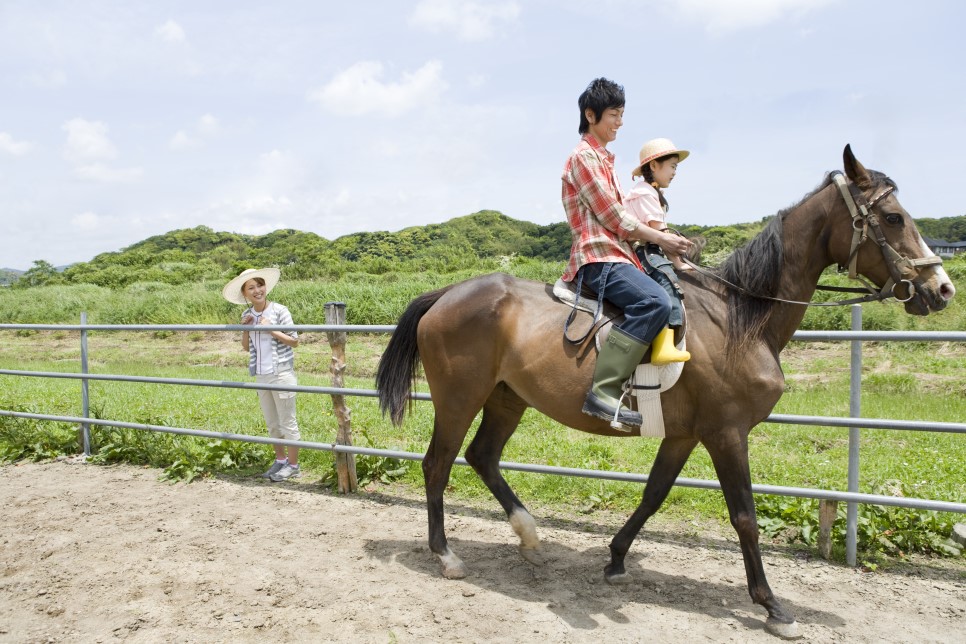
827 510
345 464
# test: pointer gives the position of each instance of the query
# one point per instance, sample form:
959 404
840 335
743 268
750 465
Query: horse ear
855 170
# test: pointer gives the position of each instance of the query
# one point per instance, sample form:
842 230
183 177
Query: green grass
915 381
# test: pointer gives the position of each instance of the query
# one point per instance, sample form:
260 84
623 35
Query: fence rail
854 422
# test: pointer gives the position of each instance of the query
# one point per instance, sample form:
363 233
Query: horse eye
893 218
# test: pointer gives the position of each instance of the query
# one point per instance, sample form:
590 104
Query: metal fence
854 422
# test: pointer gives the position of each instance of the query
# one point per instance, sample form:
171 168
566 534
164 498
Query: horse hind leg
501 416
449 430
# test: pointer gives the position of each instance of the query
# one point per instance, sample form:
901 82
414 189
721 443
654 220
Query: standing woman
271 360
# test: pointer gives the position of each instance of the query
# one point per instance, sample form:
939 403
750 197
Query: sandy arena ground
104 554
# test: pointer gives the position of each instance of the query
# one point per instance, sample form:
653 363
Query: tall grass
369 299
372 299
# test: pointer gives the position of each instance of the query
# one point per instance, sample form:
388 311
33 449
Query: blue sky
123 119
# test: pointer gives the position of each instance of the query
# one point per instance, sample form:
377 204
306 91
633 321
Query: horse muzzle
928 296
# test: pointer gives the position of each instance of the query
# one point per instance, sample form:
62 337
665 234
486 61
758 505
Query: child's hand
248 319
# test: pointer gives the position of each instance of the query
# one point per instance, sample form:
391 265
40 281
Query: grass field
909 382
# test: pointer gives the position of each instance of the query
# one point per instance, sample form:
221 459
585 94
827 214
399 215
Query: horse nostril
947 291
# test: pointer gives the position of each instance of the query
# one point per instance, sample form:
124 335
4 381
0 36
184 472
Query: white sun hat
233 289
655 149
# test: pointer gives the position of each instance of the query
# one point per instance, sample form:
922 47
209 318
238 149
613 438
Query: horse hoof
621 579
525 528
784 630
455 572
533 555
452 566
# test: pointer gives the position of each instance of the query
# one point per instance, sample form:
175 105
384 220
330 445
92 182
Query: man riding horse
603 259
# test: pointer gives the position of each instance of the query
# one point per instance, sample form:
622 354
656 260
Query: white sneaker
276 466
287 472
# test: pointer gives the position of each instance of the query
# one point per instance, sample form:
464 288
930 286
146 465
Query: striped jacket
283 357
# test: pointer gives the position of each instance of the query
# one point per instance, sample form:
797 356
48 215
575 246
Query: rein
902 270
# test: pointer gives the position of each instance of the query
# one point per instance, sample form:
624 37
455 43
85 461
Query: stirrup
593 406
616 424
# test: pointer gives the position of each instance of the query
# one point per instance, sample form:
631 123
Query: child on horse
602 256
658 163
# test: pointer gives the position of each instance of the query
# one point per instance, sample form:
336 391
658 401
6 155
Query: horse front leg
501 416
729 453
671 457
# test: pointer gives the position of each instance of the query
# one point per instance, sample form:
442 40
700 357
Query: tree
42 273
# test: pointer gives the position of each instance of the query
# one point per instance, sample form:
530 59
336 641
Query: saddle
648 381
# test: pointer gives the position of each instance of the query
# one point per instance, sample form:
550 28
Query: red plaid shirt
594 207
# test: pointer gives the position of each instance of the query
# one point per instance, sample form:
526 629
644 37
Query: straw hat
655 149
233 289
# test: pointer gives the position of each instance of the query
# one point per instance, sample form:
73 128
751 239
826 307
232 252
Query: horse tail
399 364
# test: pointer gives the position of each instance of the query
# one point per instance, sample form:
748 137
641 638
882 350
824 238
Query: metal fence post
855 411
85 428
345 464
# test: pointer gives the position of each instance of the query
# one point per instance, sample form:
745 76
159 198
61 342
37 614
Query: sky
124 119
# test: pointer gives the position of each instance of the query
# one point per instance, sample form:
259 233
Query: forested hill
200 253
951 229
197 254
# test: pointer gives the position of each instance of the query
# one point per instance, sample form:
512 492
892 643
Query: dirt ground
102 554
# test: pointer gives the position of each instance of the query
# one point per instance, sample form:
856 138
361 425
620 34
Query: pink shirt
644 203
593 203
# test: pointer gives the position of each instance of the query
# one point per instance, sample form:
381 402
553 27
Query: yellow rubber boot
663 350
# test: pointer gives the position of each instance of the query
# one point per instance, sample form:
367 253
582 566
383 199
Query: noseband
902 270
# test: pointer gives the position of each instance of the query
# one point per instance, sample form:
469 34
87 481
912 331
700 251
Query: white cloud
86 221
359 90
476 81
254 214
473 21
181 141
88 147
277 172
48 80
16 148
107 174
271 195
734 15
208 125
170 32
87 141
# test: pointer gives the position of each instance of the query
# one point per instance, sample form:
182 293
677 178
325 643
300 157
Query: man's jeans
646 304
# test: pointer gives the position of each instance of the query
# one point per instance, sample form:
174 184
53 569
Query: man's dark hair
600 95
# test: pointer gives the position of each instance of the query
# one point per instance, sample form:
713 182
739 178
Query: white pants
278 407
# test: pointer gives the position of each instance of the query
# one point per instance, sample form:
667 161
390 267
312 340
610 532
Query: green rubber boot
618 358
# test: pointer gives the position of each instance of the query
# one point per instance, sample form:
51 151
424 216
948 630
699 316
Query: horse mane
757 267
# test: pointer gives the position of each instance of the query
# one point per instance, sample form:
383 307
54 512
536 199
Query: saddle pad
647 386
647 383
564 292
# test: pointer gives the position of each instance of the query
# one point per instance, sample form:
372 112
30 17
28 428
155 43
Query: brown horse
496 343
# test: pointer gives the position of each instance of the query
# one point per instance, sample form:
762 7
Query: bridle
902 270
